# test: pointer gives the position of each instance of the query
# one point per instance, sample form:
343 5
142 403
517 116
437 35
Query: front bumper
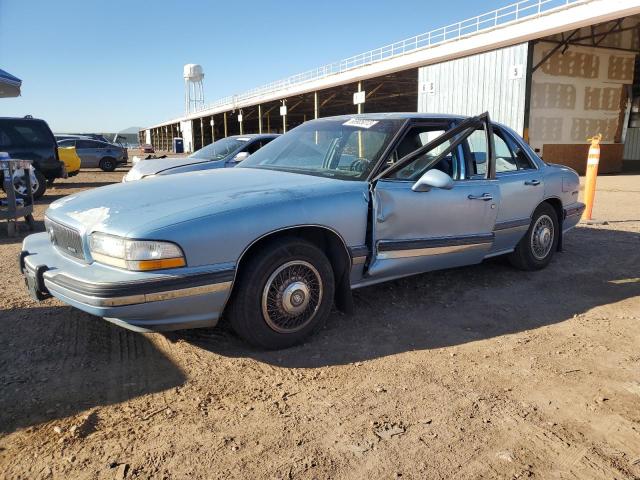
572 215
52 171
140 301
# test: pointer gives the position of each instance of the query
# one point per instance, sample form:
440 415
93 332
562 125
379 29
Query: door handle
532 182
485 197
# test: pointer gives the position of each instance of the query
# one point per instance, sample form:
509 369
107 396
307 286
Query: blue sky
89 65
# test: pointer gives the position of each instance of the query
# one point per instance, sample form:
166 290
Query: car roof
28 119
398 116
253 136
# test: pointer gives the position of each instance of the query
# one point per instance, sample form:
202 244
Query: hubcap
19 183
292 296
542 237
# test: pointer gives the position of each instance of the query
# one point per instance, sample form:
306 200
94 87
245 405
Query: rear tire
107 164
38 186
535 250
38 192
282 294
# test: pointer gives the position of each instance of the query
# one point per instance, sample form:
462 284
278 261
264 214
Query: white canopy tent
9 85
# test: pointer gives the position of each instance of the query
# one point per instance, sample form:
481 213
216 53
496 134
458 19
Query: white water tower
193 91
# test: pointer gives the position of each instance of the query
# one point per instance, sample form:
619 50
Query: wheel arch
326 239
107 157
556 204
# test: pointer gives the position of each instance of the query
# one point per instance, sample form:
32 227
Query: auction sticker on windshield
360 123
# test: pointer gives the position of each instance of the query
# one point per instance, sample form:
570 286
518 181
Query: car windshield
342 148
220 149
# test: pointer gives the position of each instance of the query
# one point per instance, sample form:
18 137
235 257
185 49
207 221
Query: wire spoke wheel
292 296
542 236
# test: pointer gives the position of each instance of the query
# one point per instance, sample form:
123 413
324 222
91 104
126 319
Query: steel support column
316 106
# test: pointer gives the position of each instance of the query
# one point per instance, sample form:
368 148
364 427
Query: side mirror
240 157
433 179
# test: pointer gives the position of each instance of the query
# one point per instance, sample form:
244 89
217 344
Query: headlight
139 255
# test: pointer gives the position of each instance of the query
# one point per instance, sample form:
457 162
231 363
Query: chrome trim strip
420 252
510 224
574 210
137 299
359 260
418 243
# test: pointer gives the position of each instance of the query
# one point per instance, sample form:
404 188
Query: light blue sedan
335 204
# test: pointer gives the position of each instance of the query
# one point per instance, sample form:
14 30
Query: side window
505 160
519 154
509 156
84 144
66 143
418 137
478 161
254 147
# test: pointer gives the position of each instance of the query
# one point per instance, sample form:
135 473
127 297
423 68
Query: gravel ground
478 372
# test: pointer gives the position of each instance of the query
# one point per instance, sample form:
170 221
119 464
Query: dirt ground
479 372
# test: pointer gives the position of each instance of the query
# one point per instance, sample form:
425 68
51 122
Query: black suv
31 139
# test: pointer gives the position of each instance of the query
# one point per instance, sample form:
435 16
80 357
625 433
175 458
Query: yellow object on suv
71 160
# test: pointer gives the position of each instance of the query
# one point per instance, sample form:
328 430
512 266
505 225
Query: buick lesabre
335 204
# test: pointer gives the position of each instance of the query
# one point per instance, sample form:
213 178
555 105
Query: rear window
24 133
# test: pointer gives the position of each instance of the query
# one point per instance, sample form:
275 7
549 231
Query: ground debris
386 430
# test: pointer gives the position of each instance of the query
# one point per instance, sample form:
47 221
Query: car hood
134 208
154 166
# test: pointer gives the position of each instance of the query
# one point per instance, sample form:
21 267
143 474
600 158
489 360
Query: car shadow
458 306
58 361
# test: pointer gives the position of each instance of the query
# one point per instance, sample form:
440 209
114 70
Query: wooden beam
374 90
328 99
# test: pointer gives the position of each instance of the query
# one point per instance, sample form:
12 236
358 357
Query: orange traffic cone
592 174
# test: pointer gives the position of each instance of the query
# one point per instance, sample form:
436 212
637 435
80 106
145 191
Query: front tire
107 164
282 294
535 250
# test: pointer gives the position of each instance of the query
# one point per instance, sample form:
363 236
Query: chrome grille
66 239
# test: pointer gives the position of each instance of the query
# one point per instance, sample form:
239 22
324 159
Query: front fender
223 237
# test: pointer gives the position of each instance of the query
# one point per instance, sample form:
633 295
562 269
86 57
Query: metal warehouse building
557 71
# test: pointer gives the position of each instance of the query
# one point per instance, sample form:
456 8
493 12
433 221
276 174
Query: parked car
60 137
90 136
71 160
31 139
94 153
335 204
147 148
224 153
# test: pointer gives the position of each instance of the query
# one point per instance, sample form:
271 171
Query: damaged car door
435 204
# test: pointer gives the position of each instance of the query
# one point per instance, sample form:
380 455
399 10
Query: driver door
419 231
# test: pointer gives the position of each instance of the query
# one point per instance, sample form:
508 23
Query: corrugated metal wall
492 81
632 144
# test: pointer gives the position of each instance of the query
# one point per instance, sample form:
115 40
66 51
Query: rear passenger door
521 190
87 152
